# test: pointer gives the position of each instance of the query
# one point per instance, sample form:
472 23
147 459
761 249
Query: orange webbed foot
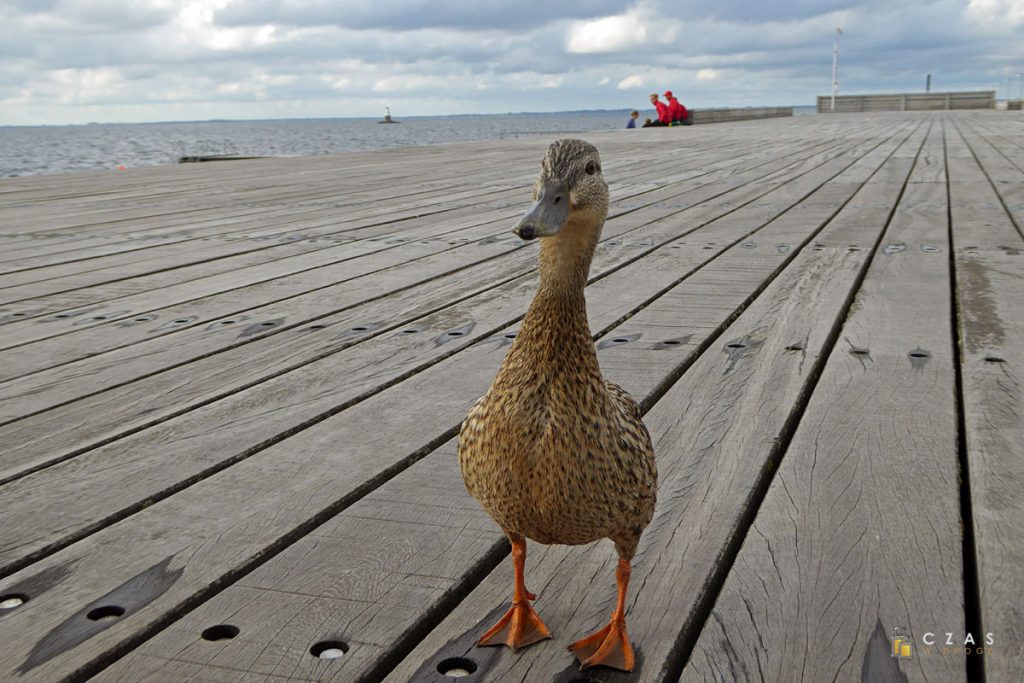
521 626
607 647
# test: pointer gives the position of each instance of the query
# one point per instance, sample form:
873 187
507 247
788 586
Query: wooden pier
229 397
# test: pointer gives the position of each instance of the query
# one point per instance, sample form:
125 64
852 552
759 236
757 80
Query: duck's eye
591 168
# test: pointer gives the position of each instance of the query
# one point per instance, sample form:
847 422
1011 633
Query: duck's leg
609 646
520 626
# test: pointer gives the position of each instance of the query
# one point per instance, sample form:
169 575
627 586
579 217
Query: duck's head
569 189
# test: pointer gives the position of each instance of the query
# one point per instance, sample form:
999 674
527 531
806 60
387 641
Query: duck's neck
565 261
556 333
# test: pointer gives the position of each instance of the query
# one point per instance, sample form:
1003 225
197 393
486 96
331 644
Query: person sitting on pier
633 115
677 112
664 117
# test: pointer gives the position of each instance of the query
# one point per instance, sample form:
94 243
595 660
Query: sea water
32 150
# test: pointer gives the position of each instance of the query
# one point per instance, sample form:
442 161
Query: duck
554 452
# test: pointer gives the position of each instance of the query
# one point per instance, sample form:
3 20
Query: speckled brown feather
552 451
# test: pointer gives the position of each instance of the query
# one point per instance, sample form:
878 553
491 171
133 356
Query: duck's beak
549 213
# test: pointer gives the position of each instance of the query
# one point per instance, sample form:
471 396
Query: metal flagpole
835 68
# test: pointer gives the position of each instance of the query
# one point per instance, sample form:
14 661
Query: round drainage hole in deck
329 649
221 632
12 601
105 613
456 667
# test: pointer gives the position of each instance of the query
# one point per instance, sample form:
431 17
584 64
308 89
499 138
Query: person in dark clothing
633 115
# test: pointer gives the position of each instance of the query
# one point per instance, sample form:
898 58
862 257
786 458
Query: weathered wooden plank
989 294
225 536
990 289
930 166
859 533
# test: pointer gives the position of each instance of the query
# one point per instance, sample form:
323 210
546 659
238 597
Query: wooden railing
981 99
739 114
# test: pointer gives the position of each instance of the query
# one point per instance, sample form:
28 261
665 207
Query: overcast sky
76 61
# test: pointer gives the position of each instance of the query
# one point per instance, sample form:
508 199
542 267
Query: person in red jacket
677 112
664 117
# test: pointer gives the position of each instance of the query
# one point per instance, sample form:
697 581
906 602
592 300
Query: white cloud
999 13
73 86
195 23
604 81
338 83
708 74
619 33
630 83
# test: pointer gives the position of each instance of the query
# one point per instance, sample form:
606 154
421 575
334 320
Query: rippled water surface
31 150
